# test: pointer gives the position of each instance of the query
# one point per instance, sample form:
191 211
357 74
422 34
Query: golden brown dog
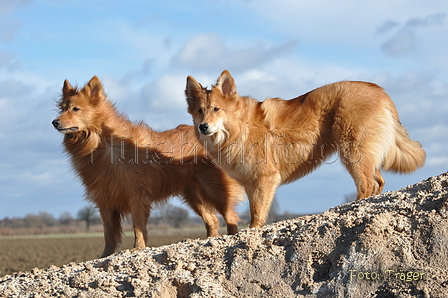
266 144
126 166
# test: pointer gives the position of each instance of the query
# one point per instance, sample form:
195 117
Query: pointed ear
94 91
193 89
67 89
226 84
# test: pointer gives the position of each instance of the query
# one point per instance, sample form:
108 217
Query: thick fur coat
126 167
266 144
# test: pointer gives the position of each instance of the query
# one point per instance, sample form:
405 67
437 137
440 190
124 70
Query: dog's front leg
261 193
112 230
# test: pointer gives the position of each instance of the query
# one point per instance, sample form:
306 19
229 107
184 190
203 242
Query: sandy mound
391 245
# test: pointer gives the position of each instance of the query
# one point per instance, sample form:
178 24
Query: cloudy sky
144 50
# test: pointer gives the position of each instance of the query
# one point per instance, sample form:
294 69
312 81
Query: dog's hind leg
361 166
194 199
211 222
223 194
363 177
379 183
140 214
225 204
231 218
112 231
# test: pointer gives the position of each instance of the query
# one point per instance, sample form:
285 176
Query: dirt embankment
391 245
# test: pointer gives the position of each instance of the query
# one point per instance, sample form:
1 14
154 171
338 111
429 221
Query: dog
266 144
126 167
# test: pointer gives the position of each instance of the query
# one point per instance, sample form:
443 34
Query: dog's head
212 109
78 108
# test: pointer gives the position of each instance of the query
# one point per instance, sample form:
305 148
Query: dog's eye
75 109
216 109
200 111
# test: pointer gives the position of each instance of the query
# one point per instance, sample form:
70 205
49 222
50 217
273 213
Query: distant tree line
88 220
42 219
44 223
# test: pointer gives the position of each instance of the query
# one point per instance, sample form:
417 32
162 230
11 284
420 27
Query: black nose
203 127
56 123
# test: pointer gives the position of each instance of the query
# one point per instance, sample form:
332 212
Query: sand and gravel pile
391 245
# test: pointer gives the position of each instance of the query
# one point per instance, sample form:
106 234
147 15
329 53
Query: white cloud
159 102
211 52
10 26
7 60
406 38
138 74
420 96
165 94
402 43
387 26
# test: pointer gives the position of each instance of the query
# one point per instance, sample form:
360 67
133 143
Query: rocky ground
391 245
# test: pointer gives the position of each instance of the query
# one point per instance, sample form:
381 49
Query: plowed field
26 253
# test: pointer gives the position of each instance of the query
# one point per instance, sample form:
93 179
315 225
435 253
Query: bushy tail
406 155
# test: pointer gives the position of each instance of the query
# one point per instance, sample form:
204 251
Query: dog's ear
226 84
67 89
94 91
193 90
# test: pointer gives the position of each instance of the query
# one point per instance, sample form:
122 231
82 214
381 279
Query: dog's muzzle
203 128
56 123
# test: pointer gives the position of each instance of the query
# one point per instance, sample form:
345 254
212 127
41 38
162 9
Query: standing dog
126 166
266 144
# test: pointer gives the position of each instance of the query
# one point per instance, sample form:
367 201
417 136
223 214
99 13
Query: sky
143 51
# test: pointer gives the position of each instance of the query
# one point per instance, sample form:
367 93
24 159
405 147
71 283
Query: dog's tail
405 155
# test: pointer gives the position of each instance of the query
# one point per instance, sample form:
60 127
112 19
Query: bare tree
177 216
48 219
33 221
172 215
88 214
66 219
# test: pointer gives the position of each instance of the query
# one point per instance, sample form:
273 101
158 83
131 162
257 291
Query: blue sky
144 50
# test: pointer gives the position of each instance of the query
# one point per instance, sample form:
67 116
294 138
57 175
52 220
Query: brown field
28 252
